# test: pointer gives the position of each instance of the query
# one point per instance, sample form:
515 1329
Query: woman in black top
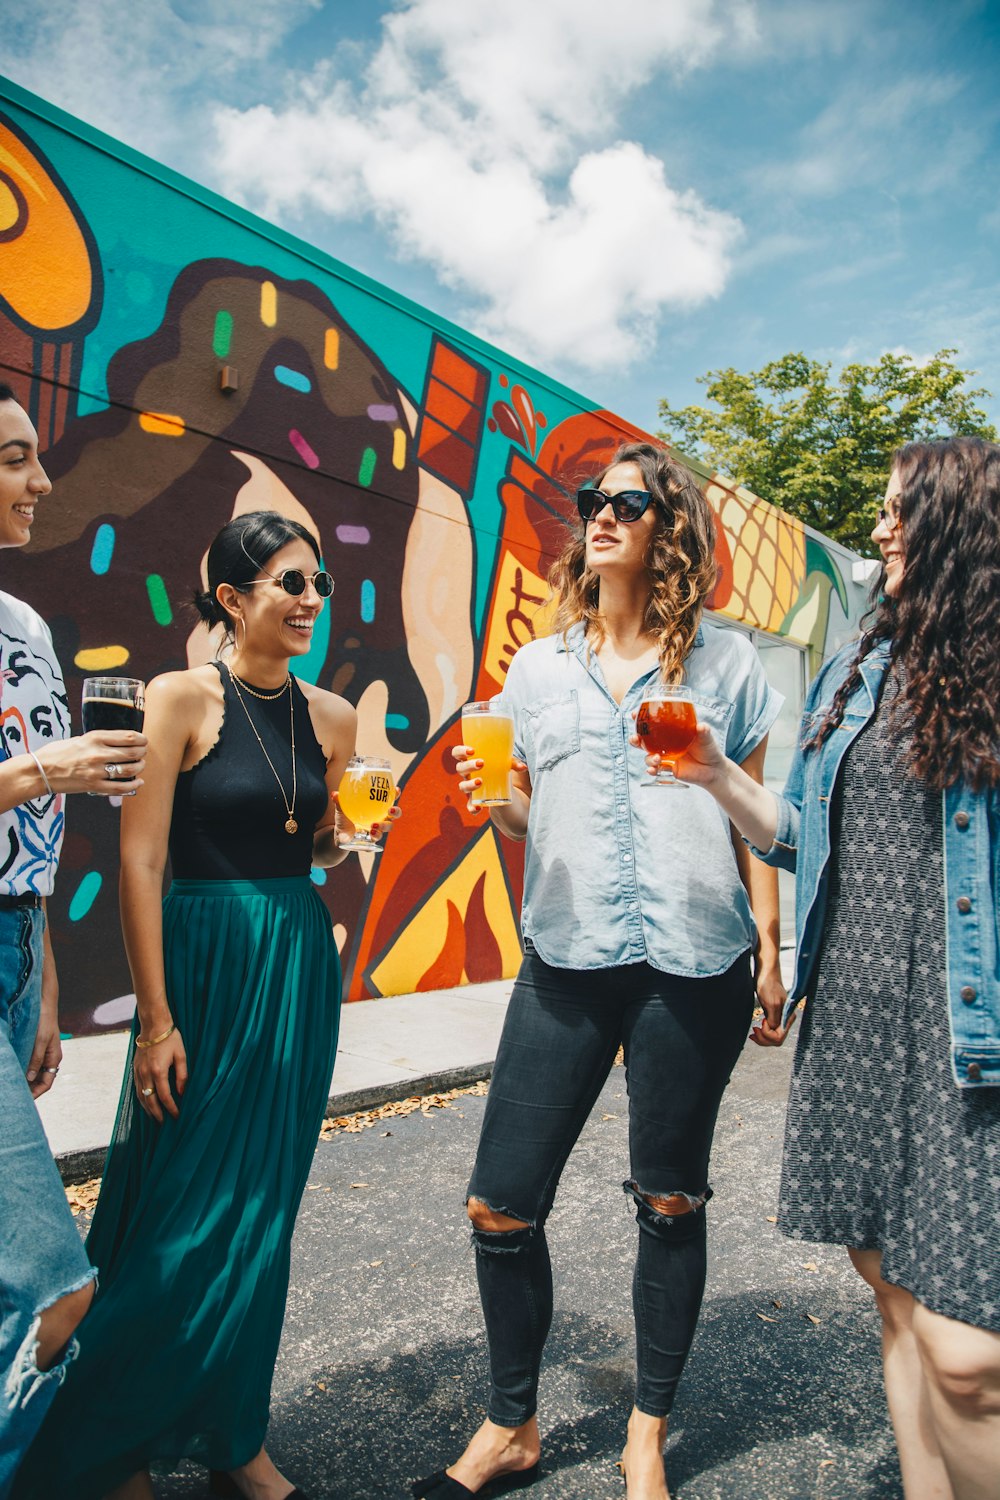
238 992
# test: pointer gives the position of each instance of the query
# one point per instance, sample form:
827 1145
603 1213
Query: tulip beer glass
665 726
489 732
366 792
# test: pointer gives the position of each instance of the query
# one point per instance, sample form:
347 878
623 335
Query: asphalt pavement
381 1375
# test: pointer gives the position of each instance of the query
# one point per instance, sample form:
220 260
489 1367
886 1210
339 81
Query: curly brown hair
942 624
680 561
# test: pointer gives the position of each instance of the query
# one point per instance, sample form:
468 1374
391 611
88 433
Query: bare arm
761 882
173 706
73 765
745 801
47 1052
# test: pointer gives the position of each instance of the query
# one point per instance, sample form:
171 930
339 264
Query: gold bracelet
161 1038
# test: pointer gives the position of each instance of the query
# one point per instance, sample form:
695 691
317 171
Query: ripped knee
492 1221
668 1211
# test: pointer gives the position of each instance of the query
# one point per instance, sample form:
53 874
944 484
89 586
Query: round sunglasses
628 505
294 581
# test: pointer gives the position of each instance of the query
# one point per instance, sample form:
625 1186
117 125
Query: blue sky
624 194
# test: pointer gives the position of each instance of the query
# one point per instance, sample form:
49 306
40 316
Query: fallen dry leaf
359 1184
366 1118
376 1262
827 1463
809 1265
765 1319
81 1196
811 1319
772 1218
775 1303
609 1117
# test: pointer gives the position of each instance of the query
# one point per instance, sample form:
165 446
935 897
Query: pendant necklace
291 826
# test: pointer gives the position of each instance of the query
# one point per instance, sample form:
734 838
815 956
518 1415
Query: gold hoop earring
236 635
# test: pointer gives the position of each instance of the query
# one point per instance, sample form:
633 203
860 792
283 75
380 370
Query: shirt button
974 1072
627 858
967 993
631 906
621 807
961 820
619 760
964 904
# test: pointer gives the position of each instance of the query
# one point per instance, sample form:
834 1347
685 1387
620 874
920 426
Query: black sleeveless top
228 819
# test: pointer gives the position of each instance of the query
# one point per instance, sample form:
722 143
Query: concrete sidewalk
389 1049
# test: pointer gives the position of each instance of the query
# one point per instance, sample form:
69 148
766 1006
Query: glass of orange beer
366 792
489 732
665 726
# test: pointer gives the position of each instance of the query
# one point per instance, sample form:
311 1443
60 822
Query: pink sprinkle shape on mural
357 536
306 452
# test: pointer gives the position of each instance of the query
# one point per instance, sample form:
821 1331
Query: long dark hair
680 561
242 548
942 625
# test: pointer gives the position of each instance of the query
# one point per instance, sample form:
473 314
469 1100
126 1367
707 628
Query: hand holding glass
114 703
366 793
489 733
665 726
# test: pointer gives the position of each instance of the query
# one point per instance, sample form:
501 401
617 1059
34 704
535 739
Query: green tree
820 448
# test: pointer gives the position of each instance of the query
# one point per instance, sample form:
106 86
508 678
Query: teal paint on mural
294 379
397 721
308 667
159 600
85 895
367 601
317 875
222 334
366 473
103 549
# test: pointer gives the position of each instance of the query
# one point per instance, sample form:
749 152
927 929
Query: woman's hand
702 763
151 1069
767 1030
81 764
467 766
344 830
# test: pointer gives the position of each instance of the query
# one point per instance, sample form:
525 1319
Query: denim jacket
971 827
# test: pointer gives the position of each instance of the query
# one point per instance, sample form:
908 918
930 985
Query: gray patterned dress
882 1150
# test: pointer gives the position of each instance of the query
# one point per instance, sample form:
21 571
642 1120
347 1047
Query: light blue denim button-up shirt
616 871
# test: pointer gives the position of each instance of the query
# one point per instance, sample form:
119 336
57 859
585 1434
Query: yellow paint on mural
268 304
519 615
424 937
101 659
399 449
45 265
331 348
162 423
768 549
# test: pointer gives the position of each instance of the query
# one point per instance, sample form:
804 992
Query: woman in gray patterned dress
891 816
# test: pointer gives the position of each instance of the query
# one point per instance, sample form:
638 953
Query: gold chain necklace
255 693
291 826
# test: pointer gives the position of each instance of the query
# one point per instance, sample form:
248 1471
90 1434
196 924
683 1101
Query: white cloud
131 69
483 140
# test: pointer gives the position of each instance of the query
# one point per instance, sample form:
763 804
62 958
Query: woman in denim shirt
638 931
891 816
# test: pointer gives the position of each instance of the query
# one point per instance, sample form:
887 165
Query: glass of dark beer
114 703
665 725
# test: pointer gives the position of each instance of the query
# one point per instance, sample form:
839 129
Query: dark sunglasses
294 581
628 505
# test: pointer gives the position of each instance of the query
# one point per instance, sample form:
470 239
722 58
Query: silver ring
146 1092
50 1070
112 771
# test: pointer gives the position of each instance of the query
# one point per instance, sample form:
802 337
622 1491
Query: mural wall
184 362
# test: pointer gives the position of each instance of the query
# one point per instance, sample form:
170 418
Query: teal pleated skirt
192 1230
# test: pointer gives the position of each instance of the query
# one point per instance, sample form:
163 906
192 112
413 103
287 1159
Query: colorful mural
183 363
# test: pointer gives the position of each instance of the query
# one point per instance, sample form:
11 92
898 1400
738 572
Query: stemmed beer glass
366 792
665 725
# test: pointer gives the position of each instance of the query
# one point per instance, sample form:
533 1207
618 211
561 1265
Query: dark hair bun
209 608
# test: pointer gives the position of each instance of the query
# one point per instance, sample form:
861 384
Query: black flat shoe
221 1483
441 1486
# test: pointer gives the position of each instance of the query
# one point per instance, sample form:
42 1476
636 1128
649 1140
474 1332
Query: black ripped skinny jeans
682 1038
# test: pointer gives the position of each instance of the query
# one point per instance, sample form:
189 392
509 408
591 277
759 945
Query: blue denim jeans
681 1039
41 1254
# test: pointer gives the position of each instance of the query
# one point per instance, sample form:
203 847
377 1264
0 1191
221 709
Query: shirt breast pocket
717 713
552 731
